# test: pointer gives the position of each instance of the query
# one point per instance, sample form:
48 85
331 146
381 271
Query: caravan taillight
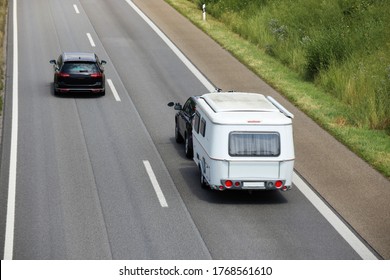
278 184
228 184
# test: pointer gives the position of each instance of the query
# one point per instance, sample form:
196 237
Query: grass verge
370 144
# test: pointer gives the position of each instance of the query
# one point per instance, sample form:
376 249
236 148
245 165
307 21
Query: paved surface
83 190
357 192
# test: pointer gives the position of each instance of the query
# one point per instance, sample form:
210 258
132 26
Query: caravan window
202 128
254 144
196 122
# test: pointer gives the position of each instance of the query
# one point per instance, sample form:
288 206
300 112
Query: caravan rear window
266 144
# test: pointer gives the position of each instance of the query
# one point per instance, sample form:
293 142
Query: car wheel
178 137
188 147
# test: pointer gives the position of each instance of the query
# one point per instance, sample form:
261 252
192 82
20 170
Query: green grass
322 41
317 97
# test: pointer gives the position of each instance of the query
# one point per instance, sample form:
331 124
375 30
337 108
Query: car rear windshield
79 67
254 144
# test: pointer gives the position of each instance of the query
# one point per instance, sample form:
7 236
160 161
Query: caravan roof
229 102
241 108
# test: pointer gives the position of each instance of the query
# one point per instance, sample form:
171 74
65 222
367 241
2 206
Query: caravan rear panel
246 142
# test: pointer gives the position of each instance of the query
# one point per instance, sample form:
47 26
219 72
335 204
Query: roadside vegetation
330 58
3 19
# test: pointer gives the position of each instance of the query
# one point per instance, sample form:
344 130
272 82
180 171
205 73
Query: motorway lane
82 190
268 226
325 163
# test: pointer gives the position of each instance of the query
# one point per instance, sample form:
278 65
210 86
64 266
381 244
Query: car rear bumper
80 90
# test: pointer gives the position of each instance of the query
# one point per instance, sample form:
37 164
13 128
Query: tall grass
343 46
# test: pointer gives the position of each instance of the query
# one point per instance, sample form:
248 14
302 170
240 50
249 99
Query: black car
183 123
79 72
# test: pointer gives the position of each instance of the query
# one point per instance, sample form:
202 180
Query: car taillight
96 75
63 75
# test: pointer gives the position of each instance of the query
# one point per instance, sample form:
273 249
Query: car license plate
254 185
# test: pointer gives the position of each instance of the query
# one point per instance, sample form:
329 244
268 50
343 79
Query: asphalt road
84 189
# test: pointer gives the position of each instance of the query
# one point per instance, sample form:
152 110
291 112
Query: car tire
178 137
188 147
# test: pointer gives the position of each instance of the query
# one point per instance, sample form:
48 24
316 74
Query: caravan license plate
254 185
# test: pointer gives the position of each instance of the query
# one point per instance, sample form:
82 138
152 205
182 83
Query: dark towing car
183 123
79 72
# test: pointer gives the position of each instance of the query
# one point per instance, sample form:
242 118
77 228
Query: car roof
79 56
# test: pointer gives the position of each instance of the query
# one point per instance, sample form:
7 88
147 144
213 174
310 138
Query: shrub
341 45
322 51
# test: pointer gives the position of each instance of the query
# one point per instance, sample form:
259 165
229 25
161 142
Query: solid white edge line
76 9
332 218
340 227
113 89
10 222
209 86
91 40
155 184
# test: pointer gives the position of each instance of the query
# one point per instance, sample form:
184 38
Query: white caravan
243 141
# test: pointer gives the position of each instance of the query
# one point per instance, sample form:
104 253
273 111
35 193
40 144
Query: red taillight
278 184
237 184
228 184
63 75
96 75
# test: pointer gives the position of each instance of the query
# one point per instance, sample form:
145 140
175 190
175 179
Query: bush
341 45
321 52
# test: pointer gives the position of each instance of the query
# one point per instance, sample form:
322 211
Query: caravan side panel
286 171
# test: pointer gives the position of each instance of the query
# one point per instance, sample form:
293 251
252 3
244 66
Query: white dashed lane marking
76 9
91 40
